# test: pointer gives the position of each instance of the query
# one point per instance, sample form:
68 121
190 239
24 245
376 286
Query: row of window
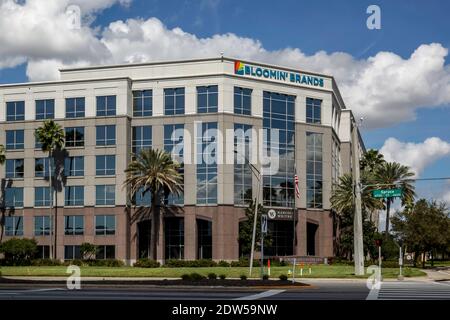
105 225
174 103
72 252
105 165
75 137
105 195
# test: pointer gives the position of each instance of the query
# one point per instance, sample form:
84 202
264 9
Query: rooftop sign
244 69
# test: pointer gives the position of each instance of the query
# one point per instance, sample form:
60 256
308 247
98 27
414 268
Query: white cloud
385 89
415 155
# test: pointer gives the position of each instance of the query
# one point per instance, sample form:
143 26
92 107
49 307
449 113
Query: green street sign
388 193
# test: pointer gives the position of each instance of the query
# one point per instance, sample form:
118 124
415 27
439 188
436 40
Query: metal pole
400 263
52 247
379 261
358 256
262 249
254 225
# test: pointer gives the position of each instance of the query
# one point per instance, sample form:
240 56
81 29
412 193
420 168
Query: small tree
18 251
87 251
246 230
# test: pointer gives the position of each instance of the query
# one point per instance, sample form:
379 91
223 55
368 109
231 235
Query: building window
13 197
105 225
74 166
37 142
43 252
72 252
75 137
313 110
14 226
173 101
74 196
15 111
42 197
242 101
105 195
242 170
141 138
207 99
105 165
142 103
106 106
45 109
335 164
75 107
206 165
14 139
278 114
105 252
42 225
174 238
174 144
41 169
106 135
73 225
142 199
14 168
204 239
313 170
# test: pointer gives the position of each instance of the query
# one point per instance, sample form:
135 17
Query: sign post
378 243
400 263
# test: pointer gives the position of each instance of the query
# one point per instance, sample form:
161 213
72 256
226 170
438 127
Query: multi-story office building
108 112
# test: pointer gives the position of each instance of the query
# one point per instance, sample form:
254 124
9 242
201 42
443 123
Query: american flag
297 190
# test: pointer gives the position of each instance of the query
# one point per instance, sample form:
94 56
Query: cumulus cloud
415 155
385 89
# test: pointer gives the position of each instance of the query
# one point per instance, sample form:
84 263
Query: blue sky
311 26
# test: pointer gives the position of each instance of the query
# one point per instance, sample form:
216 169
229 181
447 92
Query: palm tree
390 174
153 171
371 160
52 138
342 200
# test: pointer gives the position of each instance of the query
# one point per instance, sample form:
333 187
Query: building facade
110 112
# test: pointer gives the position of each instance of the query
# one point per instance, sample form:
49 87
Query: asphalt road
319 290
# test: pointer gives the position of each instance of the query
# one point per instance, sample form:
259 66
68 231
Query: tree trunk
388 209
154 233
423 259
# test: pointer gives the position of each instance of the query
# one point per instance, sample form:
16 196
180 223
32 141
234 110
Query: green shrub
196 276
18 251
212 276
105 263
283 277
222 277
45 262
244 262
186 277
75 262
202 263
146 263
223 263
265 277
243 277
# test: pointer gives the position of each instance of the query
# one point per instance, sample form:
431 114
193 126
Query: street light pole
358 256
257 174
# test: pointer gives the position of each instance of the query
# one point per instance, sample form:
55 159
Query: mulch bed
203 282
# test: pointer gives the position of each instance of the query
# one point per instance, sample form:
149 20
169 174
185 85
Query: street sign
387 193
264 223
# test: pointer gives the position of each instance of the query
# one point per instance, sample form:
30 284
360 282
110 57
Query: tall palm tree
51 136
371 160
342 199
391 174
153 171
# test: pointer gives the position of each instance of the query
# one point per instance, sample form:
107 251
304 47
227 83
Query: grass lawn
317 271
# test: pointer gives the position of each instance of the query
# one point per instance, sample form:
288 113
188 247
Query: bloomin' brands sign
244 69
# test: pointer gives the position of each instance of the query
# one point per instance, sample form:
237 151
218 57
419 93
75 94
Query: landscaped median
317 271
